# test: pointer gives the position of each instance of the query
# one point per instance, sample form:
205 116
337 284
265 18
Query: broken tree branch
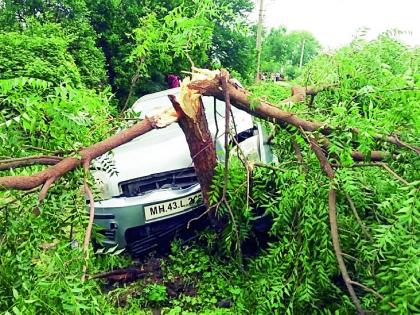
207 83
240 99
332 195
47 177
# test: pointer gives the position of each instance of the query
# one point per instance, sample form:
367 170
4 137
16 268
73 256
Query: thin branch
53 152
248 168
362 225
332 212
350 257
380 164
402 180
18 199
224 81
332 196
28 160
375 293
298 153
134 80
227 123
215 120
45 188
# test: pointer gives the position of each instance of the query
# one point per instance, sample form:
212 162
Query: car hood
159 150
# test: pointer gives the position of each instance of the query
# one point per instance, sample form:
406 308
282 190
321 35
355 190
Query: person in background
173 81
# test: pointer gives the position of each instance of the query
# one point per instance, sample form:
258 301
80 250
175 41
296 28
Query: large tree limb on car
207 83
48 176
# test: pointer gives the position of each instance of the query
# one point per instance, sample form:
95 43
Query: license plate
163 209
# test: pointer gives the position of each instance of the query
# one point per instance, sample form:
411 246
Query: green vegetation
282 51
62 62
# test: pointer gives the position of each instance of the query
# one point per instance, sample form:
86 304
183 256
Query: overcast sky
335 22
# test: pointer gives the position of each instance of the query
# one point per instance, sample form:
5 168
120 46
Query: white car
149 186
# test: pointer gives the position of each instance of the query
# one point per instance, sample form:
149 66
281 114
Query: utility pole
301 54
259 37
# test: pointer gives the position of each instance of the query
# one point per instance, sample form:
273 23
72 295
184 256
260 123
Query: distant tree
282 50
233 44
71 18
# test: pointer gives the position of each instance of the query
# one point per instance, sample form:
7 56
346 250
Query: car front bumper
116 216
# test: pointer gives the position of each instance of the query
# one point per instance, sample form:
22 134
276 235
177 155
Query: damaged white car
149 187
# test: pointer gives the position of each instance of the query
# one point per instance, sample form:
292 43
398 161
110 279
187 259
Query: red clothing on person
173 81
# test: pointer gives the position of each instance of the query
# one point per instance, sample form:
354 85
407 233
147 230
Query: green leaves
184 32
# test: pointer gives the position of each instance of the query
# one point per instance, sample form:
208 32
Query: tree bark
193 122
240 99
29 160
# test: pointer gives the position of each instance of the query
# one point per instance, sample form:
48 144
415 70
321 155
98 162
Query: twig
134 80
88 232
53 152
350 257
215 120
375 293
402 180
124 274
18 199
298 153
385 166
248 168
28 160
332 196
353 208
272 167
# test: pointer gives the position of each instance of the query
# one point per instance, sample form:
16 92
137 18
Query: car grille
109 234
176 179
157 236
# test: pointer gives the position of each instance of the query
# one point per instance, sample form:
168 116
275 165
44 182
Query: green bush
41 57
